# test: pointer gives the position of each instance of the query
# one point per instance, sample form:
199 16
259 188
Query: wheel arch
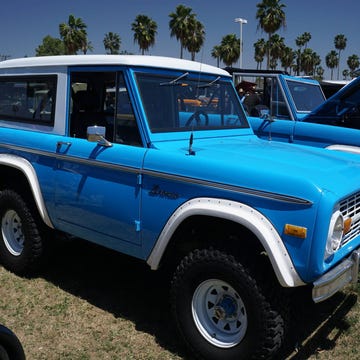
239 214
12 164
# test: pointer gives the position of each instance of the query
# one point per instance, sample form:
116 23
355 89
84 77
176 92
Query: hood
253 163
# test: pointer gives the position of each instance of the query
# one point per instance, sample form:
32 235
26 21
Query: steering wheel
196 116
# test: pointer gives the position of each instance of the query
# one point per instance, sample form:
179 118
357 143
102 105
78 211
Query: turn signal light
294 230
347 225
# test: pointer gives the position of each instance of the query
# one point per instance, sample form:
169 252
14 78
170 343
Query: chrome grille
350 207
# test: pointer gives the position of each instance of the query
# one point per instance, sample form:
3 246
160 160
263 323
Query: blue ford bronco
153 157
294 110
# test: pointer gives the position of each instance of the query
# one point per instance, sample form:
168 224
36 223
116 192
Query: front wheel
221 311
20 241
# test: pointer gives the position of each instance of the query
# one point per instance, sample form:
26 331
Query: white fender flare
27 169
242 214
344 148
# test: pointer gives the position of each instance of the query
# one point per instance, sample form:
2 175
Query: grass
91 303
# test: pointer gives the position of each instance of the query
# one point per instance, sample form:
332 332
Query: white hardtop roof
127 60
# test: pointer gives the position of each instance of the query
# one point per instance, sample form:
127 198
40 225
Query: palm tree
144 29
112 43
319 73
308 60
340 44
332 61
196 37
346 73
258 59
287 58
179 24
271 18
73 34
260 52
229 49
275 47
86 46
316 61
301 41
215 53
353 63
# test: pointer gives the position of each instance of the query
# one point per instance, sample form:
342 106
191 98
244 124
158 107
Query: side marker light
294 230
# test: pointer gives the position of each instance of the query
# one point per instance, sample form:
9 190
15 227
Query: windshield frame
159 95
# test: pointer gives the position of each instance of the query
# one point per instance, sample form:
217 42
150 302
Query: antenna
191 151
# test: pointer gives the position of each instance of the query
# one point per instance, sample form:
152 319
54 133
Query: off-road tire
20 241
257 333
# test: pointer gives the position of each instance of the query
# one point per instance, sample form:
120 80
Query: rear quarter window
28 99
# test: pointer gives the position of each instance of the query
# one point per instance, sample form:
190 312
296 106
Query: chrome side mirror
97 134
265 115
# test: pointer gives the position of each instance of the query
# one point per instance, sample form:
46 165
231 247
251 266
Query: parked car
10 345
330 87
342 109
154 157
301 121
285 97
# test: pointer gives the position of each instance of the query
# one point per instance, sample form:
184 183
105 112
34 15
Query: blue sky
24 23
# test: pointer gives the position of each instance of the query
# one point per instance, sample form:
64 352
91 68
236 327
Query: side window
28 99
126 128
262 94
252 95
88 102
279 108
101 98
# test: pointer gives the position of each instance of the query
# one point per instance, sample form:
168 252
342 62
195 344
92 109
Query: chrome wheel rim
219 313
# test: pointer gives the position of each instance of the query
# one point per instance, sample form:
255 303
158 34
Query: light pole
241 21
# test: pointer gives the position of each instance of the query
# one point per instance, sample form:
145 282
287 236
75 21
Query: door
98 193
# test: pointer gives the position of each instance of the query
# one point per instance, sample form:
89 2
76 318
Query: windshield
184 102
306 95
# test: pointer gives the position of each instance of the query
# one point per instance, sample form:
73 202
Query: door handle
60 144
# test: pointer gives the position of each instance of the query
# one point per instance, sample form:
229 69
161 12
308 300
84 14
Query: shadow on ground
317 327
127 288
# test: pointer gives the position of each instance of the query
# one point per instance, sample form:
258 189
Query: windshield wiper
175 81
210 83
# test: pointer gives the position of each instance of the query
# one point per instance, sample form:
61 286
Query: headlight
336 231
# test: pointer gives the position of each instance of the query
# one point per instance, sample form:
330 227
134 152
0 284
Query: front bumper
334 280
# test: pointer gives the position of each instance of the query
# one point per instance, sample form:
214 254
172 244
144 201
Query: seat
85 113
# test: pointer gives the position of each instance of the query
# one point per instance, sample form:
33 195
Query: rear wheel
221 311
20 241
